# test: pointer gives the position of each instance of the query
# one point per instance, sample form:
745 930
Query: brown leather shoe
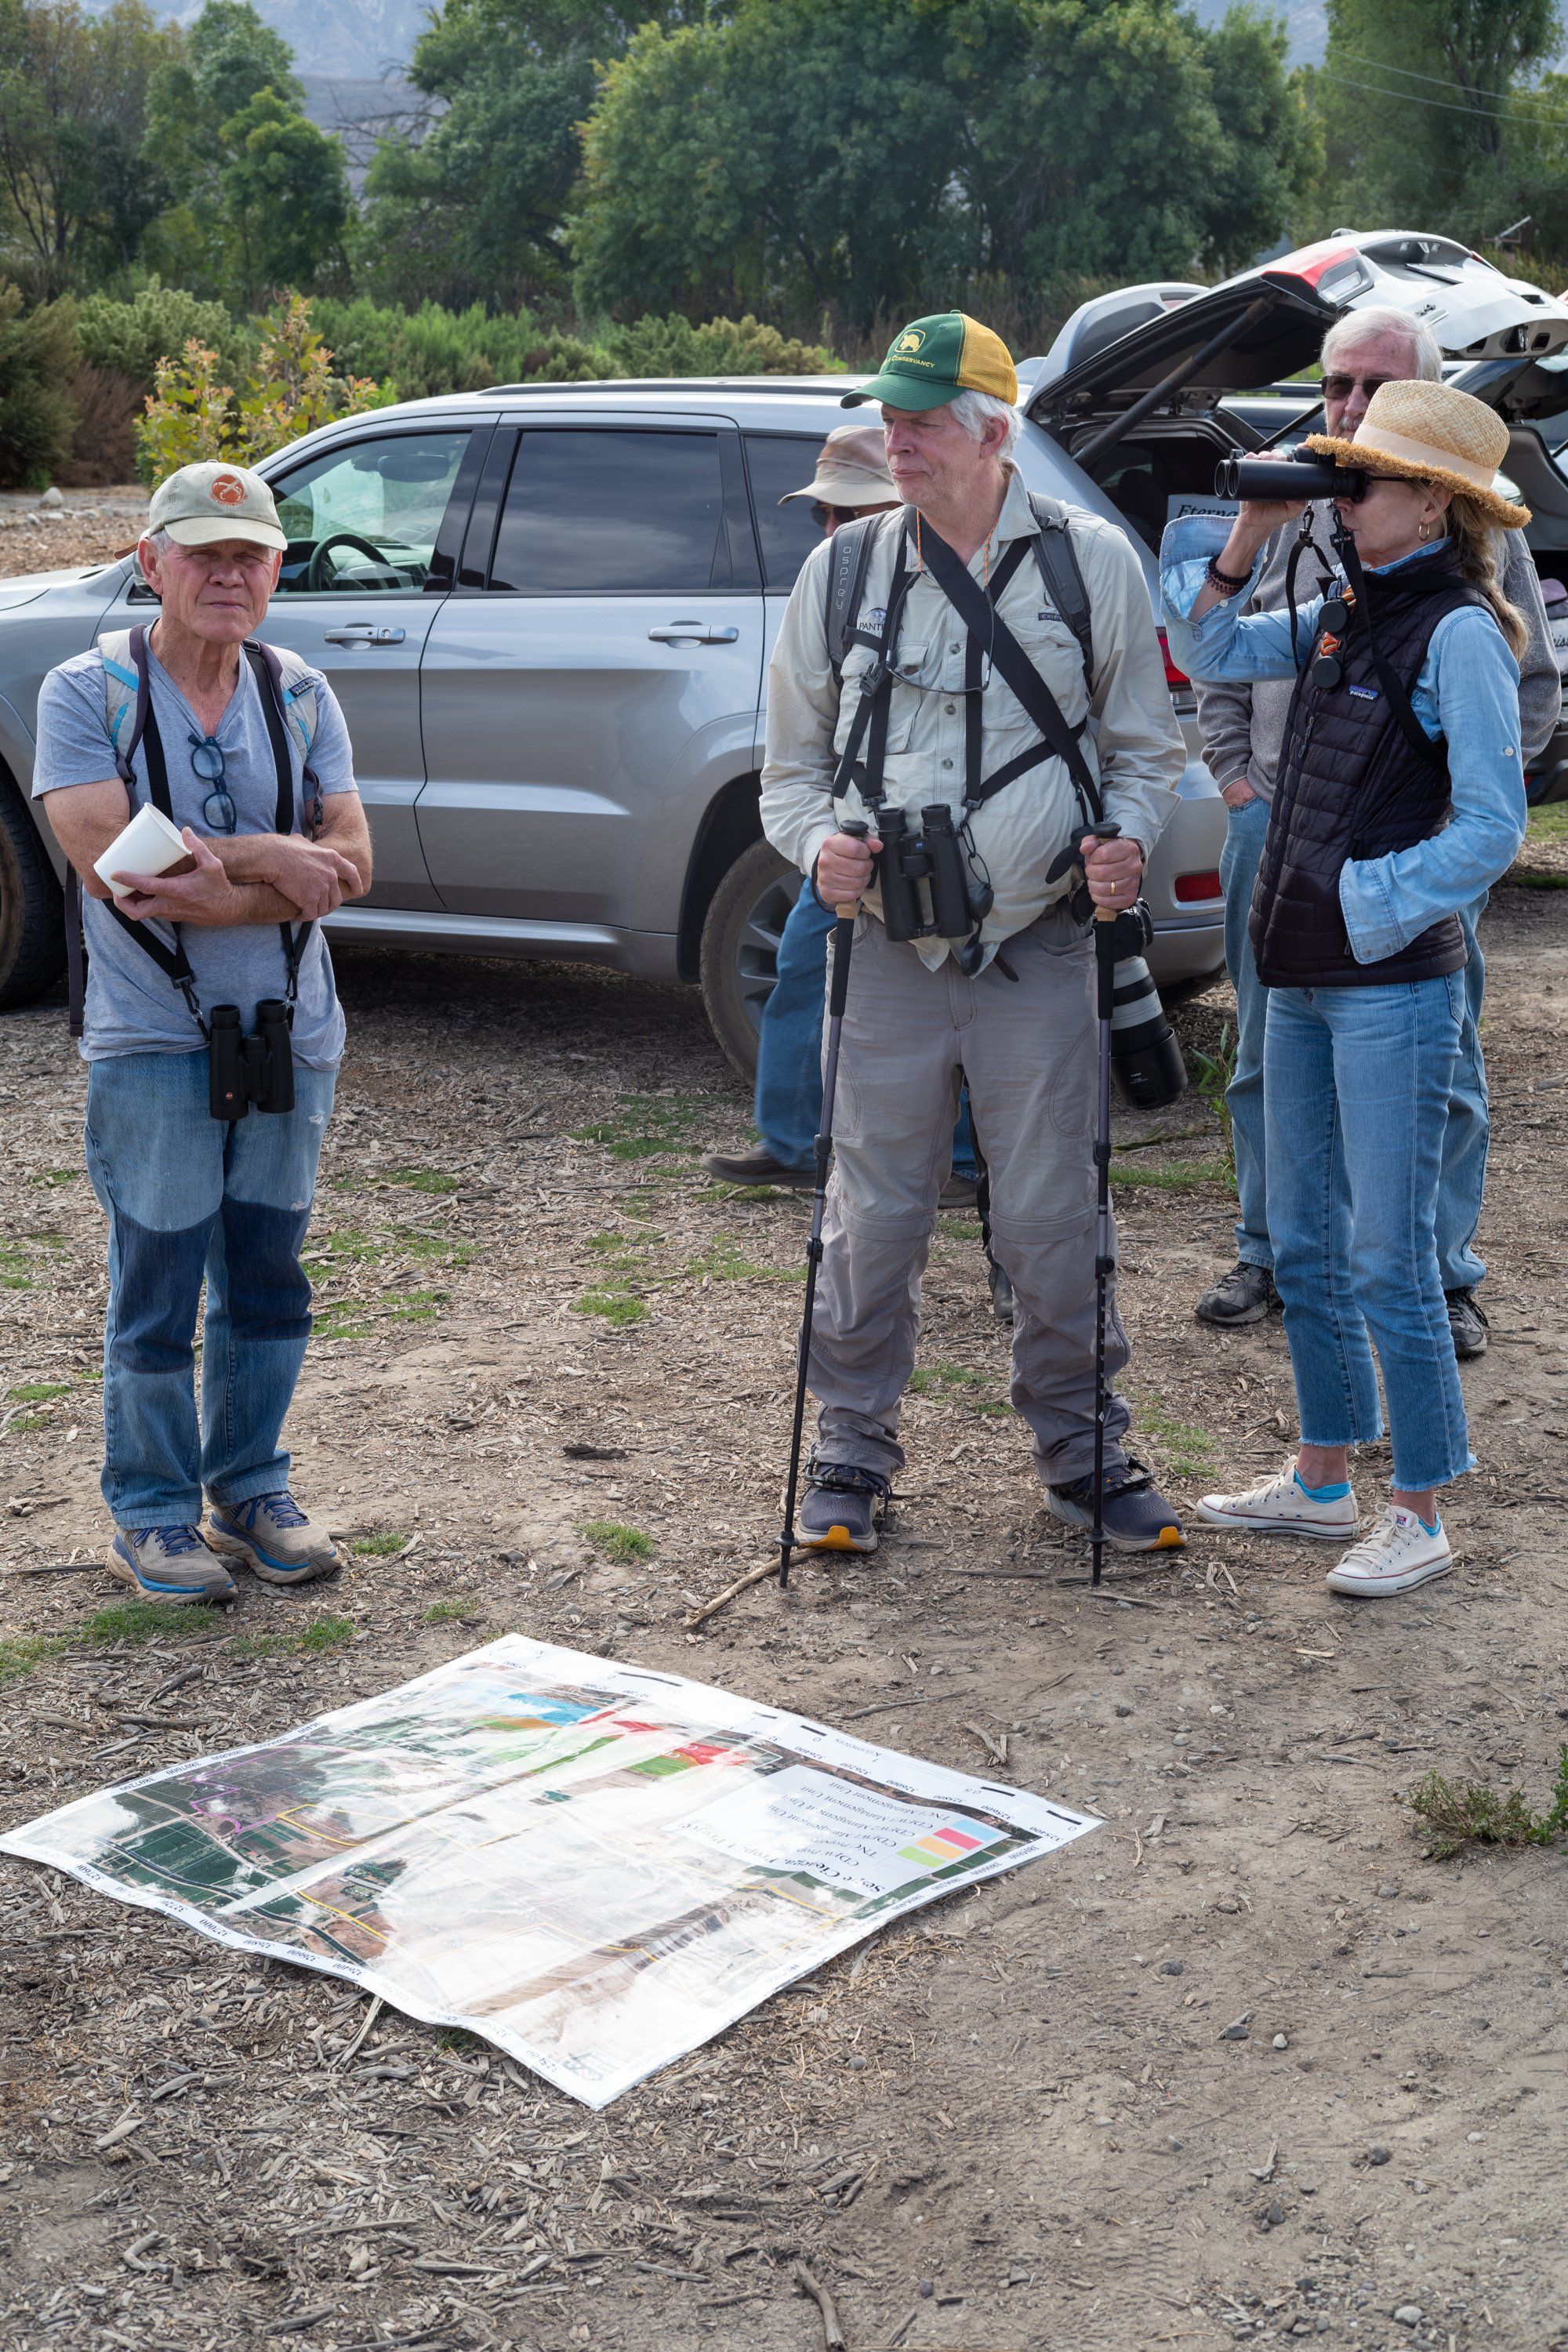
759 1167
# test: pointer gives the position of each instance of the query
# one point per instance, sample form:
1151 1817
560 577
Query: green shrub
155 324
290 389
673 346
39 353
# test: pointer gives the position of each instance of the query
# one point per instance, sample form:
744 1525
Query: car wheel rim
757 946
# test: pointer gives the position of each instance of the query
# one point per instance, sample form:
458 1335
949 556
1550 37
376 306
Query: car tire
32 910
739 956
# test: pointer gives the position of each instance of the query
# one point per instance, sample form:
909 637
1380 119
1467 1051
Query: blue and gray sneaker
843 1508
273 1536
1134 1514
170 1564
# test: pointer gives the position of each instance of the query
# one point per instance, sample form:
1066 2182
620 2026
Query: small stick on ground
371 2013
698 1617
833 2334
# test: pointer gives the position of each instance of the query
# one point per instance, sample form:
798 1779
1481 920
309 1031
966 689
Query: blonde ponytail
1475 538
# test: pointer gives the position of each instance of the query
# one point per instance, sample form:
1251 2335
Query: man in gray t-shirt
190 1196
1243 730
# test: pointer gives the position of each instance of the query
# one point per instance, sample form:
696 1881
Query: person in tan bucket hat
1400 796
851 477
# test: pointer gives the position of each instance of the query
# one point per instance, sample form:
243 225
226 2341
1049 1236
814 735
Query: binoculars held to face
927 870
255 1071
1303 475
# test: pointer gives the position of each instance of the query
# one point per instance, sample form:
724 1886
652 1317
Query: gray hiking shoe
843 1508
273 1536
1245 1295
169 1564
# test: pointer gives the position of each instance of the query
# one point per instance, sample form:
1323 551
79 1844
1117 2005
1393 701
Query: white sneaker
1397 1555
1281 1506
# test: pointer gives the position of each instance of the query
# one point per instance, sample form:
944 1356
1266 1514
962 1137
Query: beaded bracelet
1228 585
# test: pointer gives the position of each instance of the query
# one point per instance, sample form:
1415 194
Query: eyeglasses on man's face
1339 388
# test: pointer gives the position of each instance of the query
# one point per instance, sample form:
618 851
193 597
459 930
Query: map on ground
595 1866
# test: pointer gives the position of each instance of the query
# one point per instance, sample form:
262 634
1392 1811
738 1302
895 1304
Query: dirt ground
87 527
1233 2068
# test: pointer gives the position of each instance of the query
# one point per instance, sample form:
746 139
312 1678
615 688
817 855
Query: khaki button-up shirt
1133 742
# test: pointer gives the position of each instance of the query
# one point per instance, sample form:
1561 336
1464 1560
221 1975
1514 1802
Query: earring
1424 530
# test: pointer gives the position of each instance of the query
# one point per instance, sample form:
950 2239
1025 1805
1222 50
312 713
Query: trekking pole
1105 979
843 939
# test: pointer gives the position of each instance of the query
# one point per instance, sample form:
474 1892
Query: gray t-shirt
133 1007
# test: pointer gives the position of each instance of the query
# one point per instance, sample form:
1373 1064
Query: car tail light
1191 887
1176 679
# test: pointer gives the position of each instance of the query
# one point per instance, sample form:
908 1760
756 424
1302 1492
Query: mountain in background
1308 21
353 39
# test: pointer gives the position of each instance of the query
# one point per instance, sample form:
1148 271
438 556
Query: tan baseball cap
202 504
852 470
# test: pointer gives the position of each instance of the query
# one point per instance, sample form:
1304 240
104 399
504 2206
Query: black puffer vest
1351 786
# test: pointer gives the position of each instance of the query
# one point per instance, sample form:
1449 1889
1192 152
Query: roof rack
802 386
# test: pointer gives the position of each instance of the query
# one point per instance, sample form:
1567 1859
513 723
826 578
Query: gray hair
972 410
1360 326
160 542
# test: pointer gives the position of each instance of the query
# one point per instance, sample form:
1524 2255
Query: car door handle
692 633
364 632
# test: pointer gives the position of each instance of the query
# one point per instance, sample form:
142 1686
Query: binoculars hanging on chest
924 878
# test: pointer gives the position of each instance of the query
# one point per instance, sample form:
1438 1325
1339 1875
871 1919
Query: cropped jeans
1356 1089
789 1046
188 1197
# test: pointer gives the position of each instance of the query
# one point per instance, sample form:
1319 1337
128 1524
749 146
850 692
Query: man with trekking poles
970 740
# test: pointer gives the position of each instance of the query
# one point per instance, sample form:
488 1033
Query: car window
777 463
611 511
366 517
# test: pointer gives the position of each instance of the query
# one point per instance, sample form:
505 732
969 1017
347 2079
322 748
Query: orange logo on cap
229 490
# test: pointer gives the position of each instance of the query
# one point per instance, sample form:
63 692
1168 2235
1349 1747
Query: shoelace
285 1511
174 1540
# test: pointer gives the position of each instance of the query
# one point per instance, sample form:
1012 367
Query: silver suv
547 611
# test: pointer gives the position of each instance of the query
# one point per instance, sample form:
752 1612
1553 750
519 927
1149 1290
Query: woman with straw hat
1400 798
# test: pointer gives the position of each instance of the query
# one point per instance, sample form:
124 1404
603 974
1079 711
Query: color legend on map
948 1843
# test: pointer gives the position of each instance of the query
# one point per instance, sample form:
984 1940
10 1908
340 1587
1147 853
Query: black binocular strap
268 683
173 962
869 724
1410 727
983 622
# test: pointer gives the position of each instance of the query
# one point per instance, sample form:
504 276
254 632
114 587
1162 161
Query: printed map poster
594 1866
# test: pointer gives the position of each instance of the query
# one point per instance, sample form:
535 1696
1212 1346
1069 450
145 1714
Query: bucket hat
1431 433
932 360
852 470
203 504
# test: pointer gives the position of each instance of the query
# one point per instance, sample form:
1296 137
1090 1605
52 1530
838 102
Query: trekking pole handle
1107 830
858 830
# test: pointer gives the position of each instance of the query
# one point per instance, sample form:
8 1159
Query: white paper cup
148 845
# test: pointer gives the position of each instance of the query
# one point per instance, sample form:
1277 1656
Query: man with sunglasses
191 1197
1243 728
851 479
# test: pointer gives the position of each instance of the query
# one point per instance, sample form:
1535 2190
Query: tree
801 153
474 210
73 98
1427 120
285 194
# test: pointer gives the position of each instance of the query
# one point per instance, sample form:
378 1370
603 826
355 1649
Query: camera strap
172 961
869 724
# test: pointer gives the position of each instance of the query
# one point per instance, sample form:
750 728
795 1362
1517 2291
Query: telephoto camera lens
1145 1059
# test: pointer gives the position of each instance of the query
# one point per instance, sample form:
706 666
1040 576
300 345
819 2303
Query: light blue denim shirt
1467 692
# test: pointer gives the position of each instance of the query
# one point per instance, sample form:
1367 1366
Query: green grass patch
149 1621
1458 1815
957 1384
1176 1176
53 1176
331 1327
1541 881
14 1268
421 1179
959 1229
20 1652
724 1260
619 1307
645 1127
37 1391
25 1420
613 1539
1189 1450
443 1613
727 1193
379 1547
1548 824
417 1306
322 1635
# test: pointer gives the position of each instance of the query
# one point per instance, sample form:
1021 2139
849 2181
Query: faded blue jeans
187 1196
1468 1130
1357 1083
789 1045
1244 829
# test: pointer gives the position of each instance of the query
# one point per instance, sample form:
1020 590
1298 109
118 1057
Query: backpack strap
848 559
1063 582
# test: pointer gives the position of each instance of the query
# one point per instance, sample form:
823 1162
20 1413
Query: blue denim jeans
789 1046
1468 1130
187 1196
1357 1083
1243 835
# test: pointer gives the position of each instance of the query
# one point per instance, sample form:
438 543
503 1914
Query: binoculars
927 869
250 1072
1303 475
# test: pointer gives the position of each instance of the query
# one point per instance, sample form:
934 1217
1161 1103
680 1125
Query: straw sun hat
1430 432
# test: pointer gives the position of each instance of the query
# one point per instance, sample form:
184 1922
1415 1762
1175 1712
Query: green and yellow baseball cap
934 360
